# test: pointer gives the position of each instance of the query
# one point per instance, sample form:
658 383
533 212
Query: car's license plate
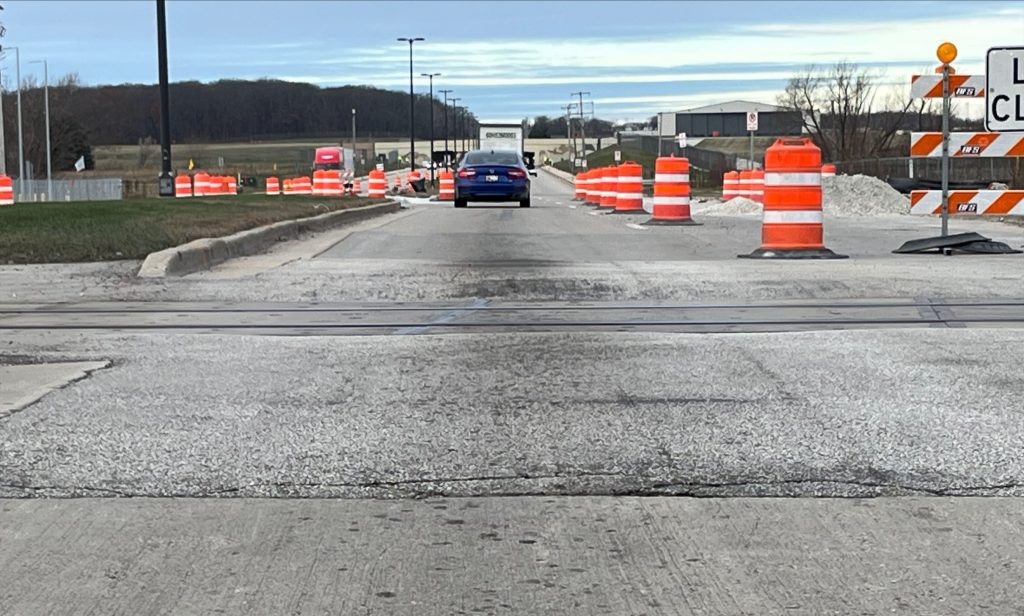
492 178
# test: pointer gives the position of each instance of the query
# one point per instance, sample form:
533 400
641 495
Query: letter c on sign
995 103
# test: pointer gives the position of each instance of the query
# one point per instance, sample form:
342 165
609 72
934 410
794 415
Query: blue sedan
492 175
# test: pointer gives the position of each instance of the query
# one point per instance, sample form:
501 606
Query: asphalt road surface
540 370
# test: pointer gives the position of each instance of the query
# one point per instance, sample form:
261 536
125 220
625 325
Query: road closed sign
1004 96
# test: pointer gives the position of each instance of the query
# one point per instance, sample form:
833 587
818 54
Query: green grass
606 156
131 229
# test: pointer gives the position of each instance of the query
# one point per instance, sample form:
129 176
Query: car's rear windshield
492 158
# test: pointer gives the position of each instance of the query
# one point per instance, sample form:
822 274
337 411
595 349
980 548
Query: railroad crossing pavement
542 439
537 556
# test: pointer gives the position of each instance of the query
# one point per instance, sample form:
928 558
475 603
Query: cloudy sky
509 60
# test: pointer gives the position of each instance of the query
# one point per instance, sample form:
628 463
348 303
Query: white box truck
505 137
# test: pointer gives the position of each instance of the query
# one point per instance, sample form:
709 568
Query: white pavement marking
22 385
596 213
572 207
448 317
633 225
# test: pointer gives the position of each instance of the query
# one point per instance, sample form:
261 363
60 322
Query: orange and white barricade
757 186
446 191
971 202
590 196
302 186
730 185
200 184
377 184
629 189
580 189
330 183
6 190
232 185
273 186
318 183
792 224
609 183
828 171
968 144
182 186
357 187
743 188
671 192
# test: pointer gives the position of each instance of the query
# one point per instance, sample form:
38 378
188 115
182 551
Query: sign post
946 54
751 128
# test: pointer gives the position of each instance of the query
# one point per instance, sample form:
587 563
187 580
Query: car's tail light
467 173
516 173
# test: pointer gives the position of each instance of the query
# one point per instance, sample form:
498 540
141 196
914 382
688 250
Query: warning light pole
946 54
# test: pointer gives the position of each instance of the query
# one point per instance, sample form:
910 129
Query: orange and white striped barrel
446 192
757 186
377 184
398 182
330 183
357 187
629 189
200 184
318 182
590 180
302 186
286 187
671 192
232 185
580 187
212 185
828 171
609 184
730 185
792 220
273 186
6 190
182 186
744 185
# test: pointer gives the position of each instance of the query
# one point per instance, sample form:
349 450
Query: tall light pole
21 140
455 122
431 77
353 141
166 178
412 106
46 107
445 93
3 137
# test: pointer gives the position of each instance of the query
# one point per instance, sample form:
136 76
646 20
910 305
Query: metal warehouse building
729 120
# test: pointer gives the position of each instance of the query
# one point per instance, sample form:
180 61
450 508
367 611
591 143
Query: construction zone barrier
828 171
609 182
357 187
629 189
398 182
757 186
930 86
273 186
590 196
200 184
671 192
929 145
318 183
792 218
730 185
182 186
744 184
446 192
232 185
971 202
213 186
302 186
286 187
6 190
331 183
580 187
377 184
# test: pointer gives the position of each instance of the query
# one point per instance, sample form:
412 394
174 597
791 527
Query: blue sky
509 60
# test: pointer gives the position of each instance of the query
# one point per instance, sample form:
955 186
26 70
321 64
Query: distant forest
223 111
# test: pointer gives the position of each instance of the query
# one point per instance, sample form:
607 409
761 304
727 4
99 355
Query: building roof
734 107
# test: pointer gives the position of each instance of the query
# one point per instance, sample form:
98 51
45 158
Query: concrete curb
561 175
205 253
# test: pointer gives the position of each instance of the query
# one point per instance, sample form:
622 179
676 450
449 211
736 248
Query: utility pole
412 106
568 136
46 113
583 132
455 122
166 179
3 137
431 77
447 159
353 141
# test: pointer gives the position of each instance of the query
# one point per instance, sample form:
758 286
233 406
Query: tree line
222 111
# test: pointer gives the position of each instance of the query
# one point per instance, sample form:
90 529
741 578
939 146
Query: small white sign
618 156
682 140
1004 97
380 166
583 163
752 121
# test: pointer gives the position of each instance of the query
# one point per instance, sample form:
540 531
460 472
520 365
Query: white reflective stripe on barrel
792 216
671 200
623 195
672 177
772 178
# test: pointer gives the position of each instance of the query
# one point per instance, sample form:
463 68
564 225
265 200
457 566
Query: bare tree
838 108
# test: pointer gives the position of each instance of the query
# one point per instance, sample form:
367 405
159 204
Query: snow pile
733 207
861 195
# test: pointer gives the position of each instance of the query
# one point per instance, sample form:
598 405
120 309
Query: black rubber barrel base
688 222
633 212
808 253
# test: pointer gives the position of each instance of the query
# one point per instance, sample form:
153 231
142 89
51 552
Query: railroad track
483 316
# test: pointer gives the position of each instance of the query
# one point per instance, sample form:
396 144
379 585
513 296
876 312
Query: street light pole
353 141
446 93
3 137
455 122
431 77
166 178
412 106
46 107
